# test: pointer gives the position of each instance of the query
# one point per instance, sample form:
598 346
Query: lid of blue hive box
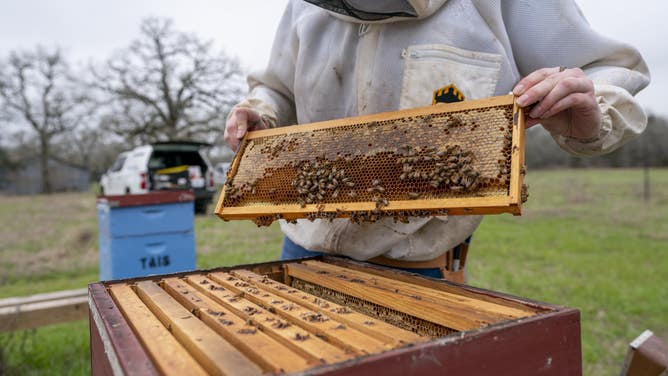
151 198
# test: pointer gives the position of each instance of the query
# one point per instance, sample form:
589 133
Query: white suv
162 165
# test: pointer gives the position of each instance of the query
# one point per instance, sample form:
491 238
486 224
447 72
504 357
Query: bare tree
38 89
92 148
80 147
168 85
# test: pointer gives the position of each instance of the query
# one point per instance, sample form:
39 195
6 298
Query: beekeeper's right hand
238 123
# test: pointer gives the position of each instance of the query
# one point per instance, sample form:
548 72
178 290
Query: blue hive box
146 234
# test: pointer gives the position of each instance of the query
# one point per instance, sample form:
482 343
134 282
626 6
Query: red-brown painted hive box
322 316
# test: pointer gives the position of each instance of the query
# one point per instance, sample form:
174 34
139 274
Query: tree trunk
44 164
172 131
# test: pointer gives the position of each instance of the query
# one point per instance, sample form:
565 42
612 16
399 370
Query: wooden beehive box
324 315
460 158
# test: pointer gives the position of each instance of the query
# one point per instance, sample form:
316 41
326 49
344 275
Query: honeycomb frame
391 164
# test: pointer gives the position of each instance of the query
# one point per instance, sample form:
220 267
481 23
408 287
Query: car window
118 164
164 159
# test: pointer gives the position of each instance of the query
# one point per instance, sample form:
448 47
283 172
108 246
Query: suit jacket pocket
430 67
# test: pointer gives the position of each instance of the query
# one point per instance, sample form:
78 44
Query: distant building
25 178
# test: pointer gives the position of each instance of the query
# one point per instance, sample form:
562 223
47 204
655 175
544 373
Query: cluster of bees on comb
452 167
317 180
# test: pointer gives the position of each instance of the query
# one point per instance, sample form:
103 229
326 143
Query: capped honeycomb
462 158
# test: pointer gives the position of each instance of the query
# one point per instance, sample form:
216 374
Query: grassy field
586 240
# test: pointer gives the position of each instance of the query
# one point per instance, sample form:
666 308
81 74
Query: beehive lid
450 159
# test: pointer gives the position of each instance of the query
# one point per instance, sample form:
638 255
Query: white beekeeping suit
352 57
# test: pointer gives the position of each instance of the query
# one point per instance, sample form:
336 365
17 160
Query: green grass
589 241
61 349
233 243
586 240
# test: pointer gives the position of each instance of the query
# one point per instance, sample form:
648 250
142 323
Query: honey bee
247 331
524 193
280 324
301 337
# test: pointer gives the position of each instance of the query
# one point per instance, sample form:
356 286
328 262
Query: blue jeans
291 250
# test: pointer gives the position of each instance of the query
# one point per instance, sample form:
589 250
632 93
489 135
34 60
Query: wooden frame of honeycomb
449 159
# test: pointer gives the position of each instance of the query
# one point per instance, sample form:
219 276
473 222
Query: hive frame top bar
507 202
503 100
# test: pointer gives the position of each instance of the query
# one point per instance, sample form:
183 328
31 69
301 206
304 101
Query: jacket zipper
366 51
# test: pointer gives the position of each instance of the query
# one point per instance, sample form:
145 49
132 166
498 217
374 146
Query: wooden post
43 309
647 356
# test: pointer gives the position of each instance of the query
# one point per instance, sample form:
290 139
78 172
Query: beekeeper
336 59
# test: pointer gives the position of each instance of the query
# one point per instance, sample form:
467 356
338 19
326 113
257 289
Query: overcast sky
92 29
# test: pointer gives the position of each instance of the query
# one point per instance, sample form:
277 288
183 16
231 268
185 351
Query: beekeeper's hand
563 102
238 123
